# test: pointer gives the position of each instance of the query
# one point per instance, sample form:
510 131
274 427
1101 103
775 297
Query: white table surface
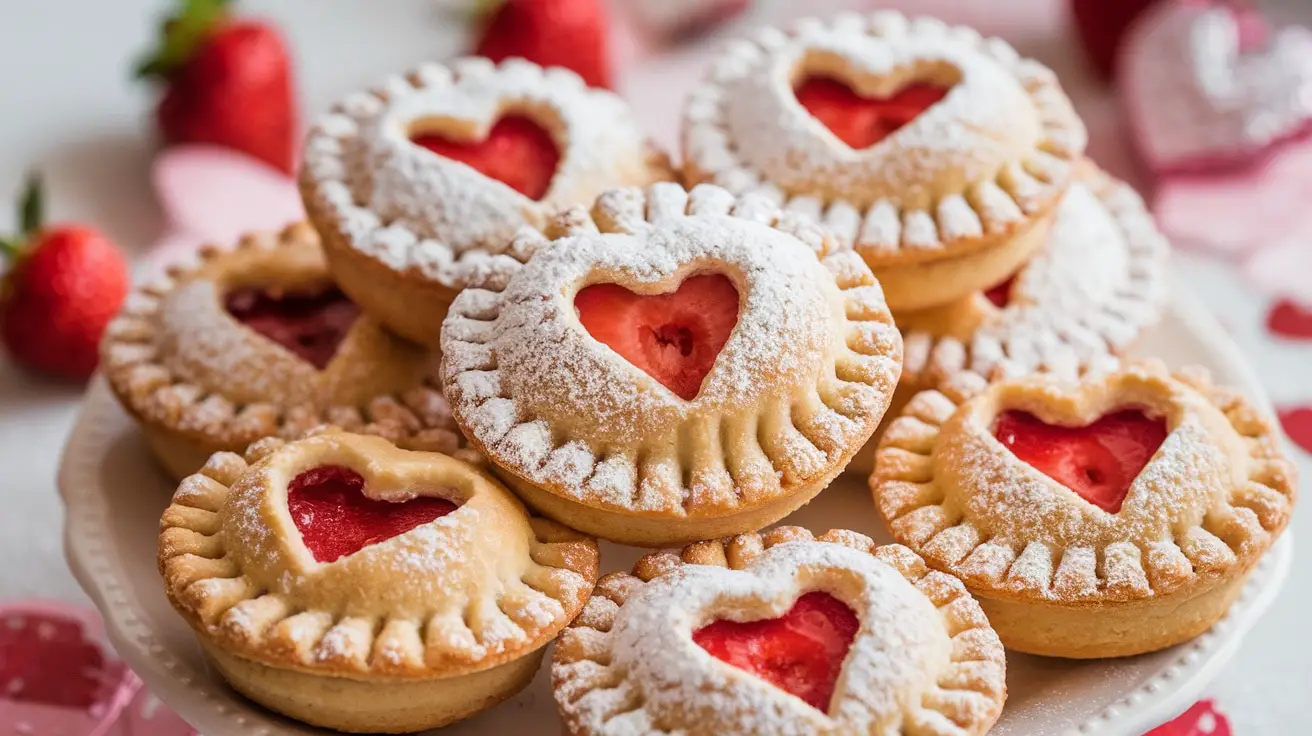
68 105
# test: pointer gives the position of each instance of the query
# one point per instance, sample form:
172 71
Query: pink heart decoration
1238 212
1203 719
1207 84
213 195
57 676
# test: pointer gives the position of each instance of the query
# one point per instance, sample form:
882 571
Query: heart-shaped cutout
516 152
312 326
336 519
674 337
1098 461
801 652
859 121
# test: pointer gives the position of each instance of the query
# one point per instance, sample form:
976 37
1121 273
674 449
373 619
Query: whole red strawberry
227 82
1101 25
570 33
64 284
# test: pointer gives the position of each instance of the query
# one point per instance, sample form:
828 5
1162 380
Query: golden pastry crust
477 589
199 381
406 229
591 440
958 190
1097 284
1064 577
627 664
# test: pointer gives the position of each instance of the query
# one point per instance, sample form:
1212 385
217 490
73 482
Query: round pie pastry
258 341
676 366
1108 517
939 155
781 634
1096 285
352 585
419 186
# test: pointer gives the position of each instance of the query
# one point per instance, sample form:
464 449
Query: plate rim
92 560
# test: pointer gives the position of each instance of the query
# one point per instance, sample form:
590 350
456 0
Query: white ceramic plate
114 497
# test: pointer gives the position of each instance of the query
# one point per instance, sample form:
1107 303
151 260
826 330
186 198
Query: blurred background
74 110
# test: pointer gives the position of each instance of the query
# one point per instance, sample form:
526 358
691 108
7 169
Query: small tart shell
199 382
939 672
1057 575
1098 283
591 440
951 202
406 229
410 633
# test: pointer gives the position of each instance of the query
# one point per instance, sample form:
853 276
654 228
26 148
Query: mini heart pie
937 154
419 185
1107 516
258 341
675 366
780 633
352 585
1095 286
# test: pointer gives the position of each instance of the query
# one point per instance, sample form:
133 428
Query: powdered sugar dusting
1097 283
471 577
1068 549
649 662
554 383
745 130
411 208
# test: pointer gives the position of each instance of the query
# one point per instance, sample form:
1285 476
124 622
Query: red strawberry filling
516 152
673 337
861 122
310 325
47 660
801 652
336 519
1000 294
1098 461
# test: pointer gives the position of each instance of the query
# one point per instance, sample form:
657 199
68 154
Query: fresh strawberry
63 286
517 152
674 337
861 122
1101 24
569 33
227 82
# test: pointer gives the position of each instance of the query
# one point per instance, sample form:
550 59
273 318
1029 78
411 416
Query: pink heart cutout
1198 96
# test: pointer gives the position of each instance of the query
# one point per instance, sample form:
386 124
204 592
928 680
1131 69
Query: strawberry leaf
180 34
31 208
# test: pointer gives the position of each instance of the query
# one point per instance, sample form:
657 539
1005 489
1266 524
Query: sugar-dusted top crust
995 153
924 661
478 587
1206 506
179 361
800 384
1097 284
421 213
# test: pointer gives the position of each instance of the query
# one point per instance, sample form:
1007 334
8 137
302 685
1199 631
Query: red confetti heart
1297 422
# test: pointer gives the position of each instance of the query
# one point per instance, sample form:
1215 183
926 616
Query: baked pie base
373 707
1057 575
